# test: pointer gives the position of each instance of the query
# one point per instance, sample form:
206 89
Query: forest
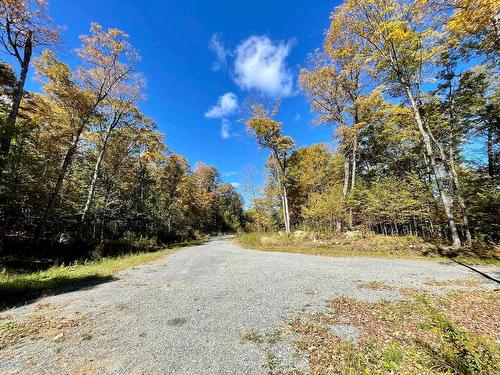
80 164
351 225
410 90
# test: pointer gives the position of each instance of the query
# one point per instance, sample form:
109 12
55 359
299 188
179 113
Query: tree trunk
66 164
450 163
354 154
9 129
439 182
285 209
345 188
95 175
491 156
280 176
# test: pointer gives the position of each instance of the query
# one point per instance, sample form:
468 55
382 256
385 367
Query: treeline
411 90
79 161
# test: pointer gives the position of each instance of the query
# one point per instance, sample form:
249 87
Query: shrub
128 245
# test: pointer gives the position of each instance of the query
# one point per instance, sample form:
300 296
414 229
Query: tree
325 209
334 88
24 26
108 61
268 133
120 113
399 39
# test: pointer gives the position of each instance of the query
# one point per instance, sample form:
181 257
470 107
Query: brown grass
364 245
457 333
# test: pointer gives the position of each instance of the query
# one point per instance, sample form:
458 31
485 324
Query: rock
345 332
64 238
352 234
300 234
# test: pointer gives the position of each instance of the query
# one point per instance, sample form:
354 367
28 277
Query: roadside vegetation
452 334
17 286
82 170
411 92
364 245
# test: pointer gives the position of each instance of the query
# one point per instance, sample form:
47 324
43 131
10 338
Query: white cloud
225 129
236 185
260 64
221 53
229 174
227 105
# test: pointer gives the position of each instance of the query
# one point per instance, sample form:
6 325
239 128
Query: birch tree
399 39
107 61
24 27
268 133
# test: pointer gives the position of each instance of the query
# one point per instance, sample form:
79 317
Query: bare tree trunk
95 175
439 182
287 213
60 179
450 163
8 131
345 188
280 176
354 155
491 156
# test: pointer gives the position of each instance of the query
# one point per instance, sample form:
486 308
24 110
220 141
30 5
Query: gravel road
190 312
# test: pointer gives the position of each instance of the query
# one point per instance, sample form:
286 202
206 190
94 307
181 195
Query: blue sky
264 44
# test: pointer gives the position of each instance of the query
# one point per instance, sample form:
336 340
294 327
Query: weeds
370 245
16 288
404 337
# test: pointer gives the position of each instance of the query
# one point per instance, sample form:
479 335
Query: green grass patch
16 288
362 245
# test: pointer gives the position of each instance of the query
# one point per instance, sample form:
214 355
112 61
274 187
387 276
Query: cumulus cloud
260 65
236 185
227 105
221 53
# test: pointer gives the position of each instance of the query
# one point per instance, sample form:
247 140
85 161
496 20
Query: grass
379 246
453 334
16 288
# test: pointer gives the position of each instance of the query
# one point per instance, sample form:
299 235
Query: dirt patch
37 327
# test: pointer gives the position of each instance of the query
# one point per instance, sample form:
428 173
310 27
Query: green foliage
18 287
128 245
458 350
323 211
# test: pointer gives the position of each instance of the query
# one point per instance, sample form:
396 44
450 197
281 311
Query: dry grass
452 334
363 245
470 283
37 327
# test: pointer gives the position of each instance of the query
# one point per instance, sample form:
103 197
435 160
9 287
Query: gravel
189 313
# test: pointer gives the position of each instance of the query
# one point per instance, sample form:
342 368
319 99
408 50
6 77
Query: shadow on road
485 275
20 293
